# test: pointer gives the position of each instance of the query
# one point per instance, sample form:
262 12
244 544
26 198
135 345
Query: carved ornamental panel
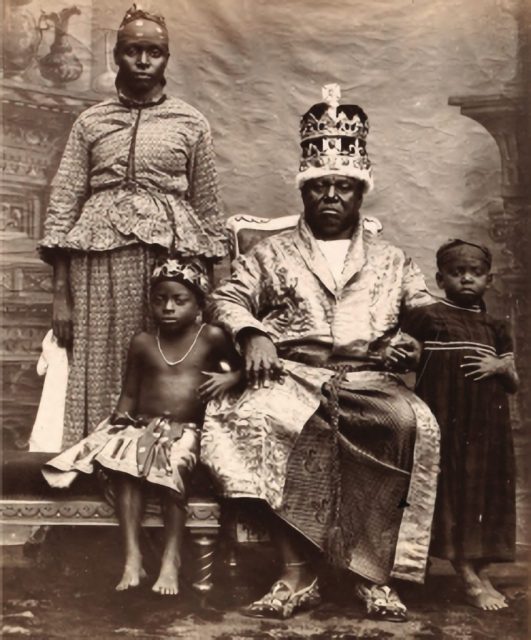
36 123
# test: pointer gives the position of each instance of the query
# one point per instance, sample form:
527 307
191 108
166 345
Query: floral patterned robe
261 443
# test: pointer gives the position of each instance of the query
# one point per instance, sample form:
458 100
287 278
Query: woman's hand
217 384
262 364
62 318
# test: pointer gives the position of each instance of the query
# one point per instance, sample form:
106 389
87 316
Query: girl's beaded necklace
183 358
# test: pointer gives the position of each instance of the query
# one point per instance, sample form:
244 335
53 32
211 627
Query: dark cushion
22 477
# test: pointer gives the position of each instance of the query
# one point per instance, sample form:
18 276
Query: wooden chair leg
205 544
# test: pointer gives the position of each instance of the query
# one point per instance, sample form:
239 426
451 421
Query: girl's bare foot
476 592
489 587
483 599
132 576
167 583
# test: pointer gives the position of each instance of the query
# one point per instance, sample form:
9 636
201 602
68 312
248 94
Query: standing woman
137 178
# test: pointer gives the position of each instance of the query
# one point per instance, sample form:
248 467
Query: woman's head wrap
138 24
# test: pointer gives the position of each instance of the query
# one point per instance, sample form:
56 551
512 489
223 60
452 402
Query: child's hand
482 366
218 384
403 353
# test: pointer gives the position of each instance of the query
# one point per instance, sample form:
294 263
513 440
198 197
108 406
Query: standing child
152 439
466 370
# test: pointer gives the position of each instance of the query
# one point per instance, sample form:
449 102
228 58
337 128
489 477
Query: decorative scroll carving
21 339
16 162
30 132
204 514
18 215
21 389
33 310
35 125
32 145
26 278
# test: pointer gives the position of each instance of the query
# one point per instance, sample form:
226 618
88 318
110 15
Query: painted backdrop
253 67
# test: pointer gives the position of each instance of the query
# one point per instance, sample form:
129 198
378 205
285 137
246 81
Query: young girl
466 370
152 438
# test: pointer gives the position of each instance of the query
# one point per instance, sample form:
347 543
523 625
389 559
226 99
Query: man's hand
62 319
262 364
482 366
403 352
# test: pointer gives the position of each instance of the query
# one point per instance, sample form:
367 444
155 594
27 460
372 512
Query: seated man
327 434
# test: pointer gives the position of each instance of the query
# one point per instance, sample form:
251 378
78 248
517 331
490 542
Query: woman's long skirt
110 293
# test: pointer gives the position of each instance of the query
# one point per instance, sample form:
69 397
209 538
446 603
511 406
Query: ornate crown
333 140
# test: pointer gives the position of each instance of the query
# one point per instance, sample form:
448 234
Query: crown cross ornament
333 140
331 94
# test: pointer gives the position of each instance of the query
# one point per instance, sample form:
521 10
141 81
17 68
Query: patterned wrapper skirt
110 292
159 450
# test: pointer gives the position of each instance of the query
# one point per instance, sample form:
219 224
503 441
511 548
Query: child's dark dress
475 510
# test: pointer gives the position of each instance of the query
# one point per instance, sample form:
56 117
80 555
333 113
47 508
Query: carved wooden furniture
28 501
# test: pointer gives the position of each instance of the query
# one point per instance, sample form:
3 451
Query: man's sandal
282 602
382 602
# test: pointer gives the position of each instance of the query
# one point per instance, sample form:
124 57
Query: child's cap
188 271
454 249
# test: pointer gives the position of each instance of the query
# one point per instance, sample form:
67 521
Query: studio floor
65 589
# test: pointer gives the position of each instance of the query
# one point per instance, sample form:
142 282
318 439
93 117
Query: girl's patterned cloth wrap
274 443
159 450
173 202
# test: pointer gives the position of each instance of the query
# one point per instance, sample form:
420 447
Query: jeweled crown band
333 140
